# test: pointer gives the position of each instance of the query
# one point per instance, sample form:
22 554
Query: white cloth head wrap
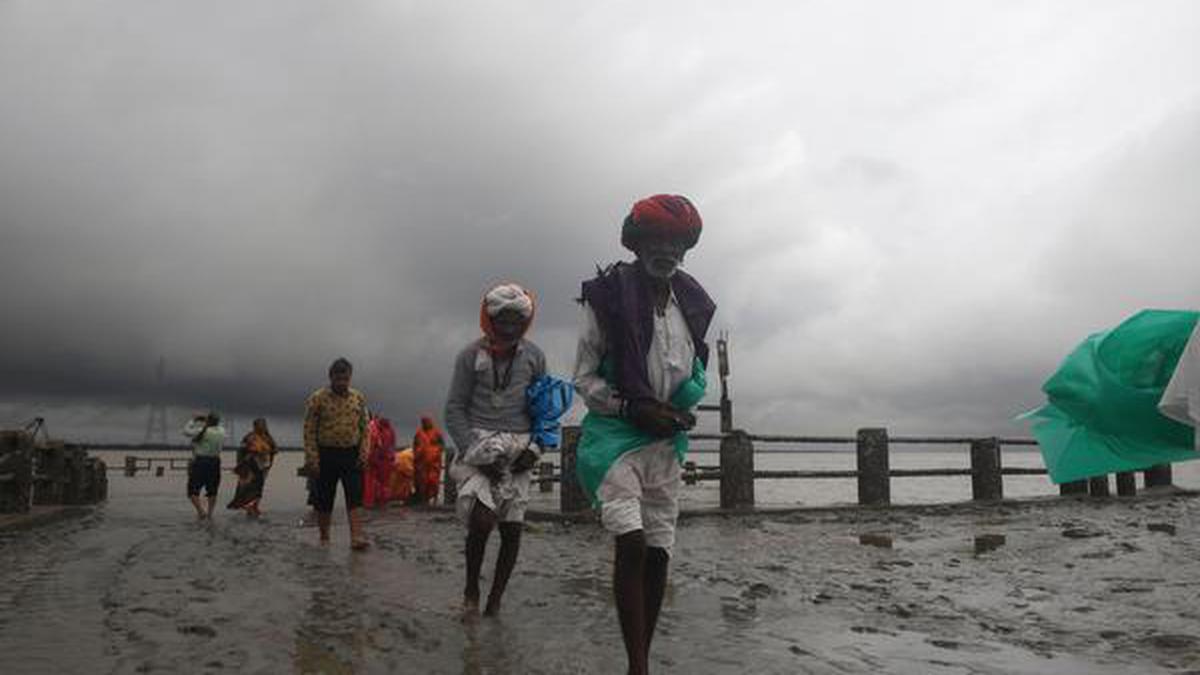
509 296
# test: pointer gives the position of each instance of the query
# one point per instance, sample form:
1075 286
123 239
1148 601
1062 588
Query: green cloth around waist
605 438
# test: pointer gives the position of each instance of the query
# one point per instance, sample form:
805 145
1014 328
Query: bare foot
470 612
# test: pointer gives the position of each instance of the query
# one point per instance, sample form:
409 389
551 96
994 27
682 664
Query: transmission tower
156 426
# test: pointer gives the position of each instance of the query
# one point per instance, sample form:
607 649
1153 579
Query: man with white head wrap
488 420
509 296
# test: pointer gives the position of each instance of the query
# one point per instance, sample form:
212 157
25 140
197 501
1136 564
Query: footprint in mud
986 543
955 645
737 611
197 629
213 585
799 651
878 540
153 611
758 590
1172 642
1082 533
871 630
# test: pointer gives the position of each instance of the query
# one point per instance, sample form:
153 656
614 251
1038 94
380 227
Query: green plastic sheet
1102 411
604 438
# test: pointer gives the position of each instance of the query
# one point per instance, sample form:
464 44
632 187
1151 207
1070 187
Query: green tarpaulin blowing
1103 410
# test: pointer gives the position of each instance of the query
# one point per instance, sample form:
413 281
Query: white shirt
668 361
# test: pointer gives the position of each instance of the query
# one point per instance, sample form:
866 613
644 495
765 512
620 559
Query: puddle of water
985 543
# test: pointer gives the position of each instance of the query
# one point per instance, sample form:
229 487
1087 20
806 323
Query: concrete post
51 464
689 473
1098 486
545 470
130 465
726 415
737 471
874 481
1158 475
1126 484
723 370
1079 487
987 483
101 483
449 487
74 491
570 492
16 464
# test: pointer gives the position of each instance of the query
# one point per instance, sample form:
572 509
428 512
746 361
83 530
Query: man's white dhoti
641 492
508 497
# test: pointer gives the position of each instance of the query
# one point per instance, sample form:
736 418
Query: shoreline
42 515
942 509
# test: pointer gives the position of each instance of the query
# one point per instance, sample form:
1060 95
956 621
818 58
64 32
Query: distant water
285 487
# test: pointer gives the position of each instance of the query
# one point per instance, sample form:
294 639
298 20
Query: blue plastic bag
548 399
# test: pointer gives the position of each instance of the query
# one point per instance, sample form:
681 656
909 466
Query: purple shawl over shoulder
620 298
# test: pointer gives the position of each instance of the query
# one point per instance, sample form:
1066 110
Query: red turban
671 216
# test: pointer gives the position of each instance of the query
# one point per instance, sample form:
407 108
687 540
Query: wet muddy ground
139 586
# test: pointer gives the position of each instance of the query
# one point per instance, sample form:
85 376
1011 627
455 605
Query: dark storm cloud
891 202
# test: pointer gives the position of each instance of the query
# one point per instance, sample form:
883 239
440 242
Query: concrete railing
873 471
47 473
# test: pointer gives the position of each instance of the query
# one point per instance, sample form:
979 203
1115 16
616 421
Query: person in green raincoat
640 370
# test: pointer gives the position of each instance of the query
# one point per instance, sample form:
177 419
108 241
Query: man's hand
312 470
493 471
658 419
524 461
682 419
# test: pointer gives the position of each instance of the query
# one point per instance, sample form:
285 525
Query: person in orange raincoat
402 476
427 461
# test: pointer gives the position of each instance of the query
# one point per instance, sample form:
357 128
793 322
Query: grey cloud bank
911 215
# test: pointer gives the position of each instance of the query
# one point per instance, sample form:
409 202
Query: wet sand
1074 587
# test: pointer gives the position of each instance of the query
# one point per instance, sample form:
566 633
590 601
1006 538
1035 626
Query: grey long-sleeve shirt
474 401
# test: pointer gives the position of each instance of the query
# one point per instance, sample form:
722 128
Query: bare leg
358 534
195 499
211 502
629 576
478 530
506 560
657 560
323 521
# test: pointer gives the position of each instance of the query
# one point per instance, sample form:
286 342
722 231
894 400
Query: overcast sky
912 211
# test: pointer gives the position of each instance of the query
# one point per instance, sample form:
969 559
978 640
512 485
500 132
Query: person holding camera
207 437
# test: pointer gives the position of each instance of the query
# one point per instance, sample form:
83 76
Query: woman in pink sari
381 457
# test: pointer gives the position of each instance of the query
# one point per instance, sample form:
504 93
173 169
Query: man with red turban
639 368
488 420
